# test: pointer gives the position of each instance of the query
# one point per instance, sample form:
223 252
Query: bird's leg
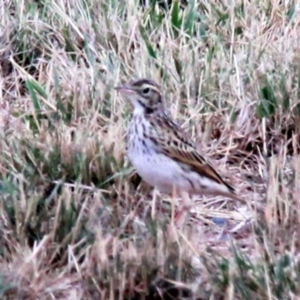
172 231
153 207
186 205
174 194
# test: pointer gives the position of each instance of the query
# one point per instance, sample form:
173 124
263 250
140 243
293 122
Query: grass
76 222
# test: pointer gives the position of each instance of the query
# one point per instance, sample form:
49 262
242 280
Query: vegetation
76 222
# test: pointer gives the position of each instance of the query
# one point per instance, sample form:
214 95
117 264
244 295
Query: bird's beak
125 89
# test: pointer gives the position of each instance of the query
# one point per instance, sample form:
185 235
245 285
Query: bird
162 153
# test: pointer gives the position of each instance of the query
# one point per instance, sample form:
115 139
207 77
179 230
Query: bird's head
144 95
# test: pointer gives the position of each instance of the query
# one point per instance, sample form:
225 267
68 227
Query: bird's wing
175 143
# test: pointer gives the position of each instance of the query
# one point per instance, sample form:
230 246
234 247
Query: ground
76 221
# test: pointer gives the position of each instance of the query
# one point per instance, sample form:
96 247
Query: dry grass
75 222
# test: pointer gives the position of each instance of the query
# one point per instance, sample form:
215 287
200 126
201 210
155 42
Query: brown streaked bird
161 152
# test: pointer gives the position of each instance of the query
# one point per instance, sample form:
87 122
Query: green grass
76 222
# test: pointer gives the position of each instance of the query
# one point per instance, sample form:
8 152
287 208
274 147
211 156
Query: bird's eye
146 91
